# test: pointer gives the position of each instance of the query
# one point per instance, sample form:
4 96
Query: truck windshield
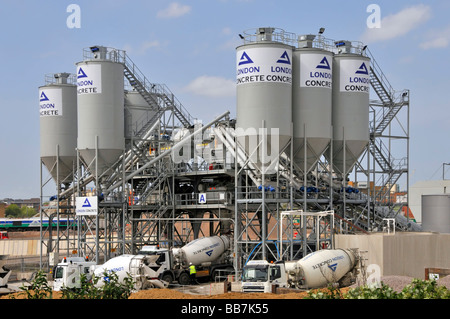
59 272
255 273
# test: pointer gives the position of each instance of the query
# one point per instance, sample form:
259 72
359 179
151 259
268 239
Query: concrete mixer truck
210 255
315 270
152 266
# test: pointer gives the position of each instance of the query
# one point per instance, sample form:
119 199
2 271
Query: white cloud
440 39
143 47
174 10
231 44
212 86
399 24
226 31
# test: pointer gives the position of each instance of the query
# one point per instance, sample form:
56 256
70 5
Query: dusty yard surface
173 294
395 282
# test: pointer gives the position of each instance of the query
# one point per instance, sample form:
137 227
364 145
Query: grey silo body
350 109
264 93
436 213
58 127
137 113
100 113
311 104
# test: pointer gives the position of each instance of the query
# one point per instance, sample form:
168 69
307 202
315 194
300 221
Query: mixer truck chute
316 270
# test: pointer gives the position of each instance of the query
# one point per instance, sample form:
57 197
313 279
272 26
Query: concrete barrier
20 247
402 253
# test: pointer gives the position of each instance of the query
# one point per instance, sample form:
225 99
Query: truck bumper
253 289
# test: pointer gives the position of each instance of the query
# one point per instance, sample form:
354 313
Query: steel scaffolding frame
143 202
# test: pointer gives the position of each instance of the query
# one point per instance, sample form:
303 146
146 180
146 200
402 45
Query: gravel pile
445 281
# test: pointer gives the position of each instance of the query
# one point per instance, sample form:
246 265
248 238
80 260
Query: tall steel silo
58 127
436 213
350 106
311 101
264 95
101 137
137 113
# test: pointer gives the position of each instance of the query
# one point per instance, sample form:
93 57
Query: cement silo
101 138
436 213
137 114
311 101
350 106
58 127
264 95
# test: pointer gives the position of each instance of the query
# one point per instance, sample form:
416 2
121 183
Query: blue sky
190 47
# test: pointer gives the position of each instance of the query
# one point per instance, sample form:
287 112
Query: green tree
13 211
27 211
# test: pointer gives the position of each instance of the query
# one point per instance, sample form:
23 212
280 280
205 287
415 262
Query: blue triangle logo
362 69
81 74
284 58
209 252
245 59
333 267
323 64
43 97
86 203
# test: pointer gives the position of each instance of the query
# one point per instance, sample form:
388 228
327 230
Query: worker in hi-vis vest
192 272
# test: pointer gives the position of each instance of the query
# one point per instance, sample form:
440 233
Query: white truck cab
68 272
260 276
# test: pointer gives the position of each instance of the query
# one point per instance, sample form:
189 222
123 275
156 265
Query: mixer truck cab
260 276
68 272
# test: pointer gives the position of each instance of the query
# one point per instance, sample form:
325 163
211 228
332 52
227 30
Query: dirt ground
395 282
174 294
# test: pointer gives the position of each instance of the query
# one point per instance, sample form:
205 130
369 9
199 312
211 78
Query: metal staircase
158 96
146 189
391 169
385 92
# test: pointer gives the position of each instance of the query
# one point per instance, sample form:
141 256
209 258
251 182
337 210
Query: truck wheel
167 277
184 279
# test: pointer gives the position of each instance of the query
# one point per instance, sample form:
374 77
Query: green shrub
425 289
418 289
110 289
39 288
332 292
372 292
